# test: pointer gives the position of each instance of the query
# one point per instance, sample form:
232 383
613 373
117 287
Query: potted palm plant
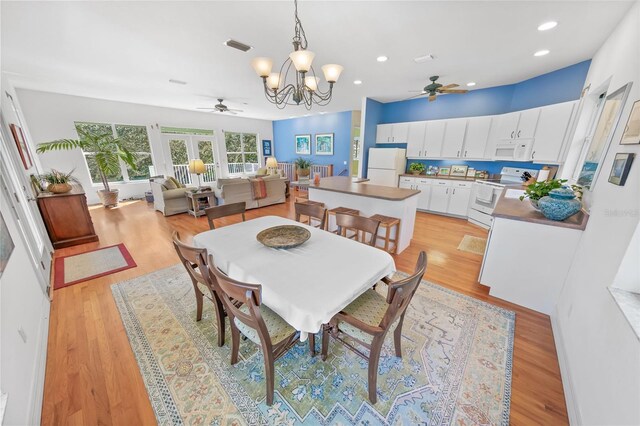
107 151
303 167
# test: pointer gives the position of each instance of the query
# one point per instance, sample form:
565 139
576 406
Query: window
134 138
242 152
180 160
205 152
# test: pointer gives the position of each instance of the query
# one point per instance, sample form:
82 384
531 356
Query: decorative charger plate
283 236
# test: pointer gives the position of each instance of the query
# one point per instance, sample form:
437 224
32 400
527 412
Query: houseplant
416 168
537 190
58 182
107 152
303 167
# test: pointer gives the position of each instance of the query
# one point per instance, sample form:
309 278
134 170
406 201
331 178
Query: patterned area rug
456 365
473 244
92 264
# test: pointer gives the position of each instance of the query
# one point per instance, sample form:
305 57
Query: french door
180 149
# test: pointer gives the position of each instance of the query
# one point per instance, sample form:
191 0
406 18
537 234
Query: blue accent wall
561 85
339 124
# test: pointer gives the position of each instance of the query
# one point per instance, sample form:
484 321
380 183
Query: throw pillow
169 184
176 182
261 172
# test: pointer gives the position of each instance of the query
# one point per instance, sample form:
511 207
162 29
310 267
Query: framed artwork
444 171
459 171
324 144
6 245
605 128
620 168
631 135
266 148
21 142
303 144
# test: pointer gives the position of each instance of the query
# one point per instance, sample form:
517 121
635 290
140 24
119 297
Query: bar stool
387 223
332 212
307 201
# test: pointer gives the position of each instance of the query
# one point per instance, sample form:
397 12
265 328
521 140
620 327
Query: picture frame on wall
324 144
21 143
303 144
631 135
620 168
444 171
266 148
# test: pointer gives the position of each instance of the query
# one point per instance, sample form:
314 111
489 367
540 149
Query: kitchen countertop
346 185
467 179
513 208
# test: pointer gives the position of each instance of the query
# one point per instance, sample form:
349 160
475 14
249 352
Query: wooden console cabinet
67 218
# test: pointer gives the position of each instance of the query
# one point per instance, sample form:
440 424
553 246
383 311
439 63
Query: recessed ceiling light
174 81
541 52
471 83
357 82
547 26
382 58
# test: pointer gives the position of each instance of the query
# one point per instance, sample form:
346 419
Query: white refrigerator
386 165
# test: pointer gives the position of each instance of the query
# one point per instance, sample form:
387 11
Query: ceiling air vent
237 45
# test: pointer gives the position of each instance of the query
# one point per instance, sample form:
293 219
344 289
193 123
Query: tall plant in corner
107 152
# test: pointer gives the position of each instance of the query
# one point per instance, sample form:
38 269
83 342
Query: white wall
51 116
599 353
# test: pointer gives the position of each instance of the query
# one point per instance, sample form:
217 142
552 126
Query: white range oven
486 193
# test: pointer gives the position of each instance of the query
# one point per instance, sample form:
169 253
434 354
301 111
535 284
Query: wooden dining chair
359 225
192 258
224 210
256 321
312 211
367 320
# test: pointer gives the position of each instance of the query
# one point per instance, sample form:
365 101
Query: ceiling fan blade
415 96
234 110
432 98
449 86
454 91
204 108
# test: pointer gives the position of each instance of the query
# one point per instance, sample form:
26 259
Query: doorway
180 149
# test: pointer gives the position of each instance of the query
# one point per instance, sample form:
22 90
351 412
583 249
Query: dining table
306 285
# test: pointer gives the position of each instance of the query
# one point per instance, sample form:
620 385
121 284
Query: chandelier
282 88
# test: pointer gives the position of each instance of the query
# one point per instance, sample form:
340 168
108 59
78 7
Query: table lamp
197 167
272 165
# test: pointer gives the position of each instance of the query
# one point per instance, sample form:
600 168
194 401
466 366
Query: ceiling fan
434 89
220 107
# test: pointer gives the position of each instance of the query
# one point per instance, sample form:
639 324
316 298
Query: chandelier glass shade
297 85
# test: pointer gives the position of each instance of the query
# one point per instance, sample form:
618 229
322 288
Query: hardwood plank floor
92 376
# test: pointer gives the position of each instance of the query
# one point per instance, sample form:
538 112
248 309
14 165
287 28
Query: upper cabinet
433 138
518 125
392 133
477 137
454 138
415 140
551 132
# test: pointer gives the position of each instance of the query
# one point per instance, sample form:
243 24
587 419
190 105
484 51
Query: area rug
455 369
473 244
92 264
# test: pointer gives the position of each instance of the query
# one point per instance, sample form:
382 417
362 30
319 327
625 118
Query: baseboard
37 388
573 410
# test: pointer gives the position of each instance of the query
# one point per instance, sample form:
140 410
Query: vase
108 198
304 173
415 172
534 203
560 204
59 188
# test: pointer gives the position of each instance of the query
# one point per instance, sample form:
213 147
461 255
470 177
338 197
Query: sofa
236 190
169 196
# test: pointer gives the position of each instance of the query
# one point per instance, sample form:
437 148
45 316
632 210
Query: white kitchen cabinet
399 132
508 125
527 123
439 200
477 137
407 182
459 196
454 138
433 138
551 132
415 139
424 185
383 133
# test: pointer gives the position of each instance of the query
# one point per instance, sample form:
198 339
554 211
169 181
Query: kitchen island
528 256
339 191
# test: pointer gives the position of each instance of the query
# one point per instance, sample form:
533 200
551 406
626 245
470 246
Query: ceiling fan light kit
282 88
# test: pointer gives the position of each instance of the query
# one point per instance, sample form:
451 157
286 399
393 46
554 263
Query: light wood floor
92 376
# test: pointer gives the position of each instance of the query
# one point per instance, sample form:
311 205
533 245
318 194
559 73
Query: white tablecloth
306 285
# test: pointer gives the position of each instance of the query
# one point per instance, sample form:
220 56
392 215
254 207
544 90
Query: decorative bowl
59 188
560 204
283 236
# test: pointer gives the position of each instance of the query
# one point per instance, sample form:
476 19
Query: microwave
514 150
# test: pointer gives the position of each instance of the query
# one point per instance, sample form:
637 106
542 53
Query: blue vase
560 204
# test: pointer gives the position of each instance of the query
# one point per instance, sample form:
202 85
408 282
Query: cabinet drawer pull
454 191
465 152
533 155
447 191
519 133
512 134
458 154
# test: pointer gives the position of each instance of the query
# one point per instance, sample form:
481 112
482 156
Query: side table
199 201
